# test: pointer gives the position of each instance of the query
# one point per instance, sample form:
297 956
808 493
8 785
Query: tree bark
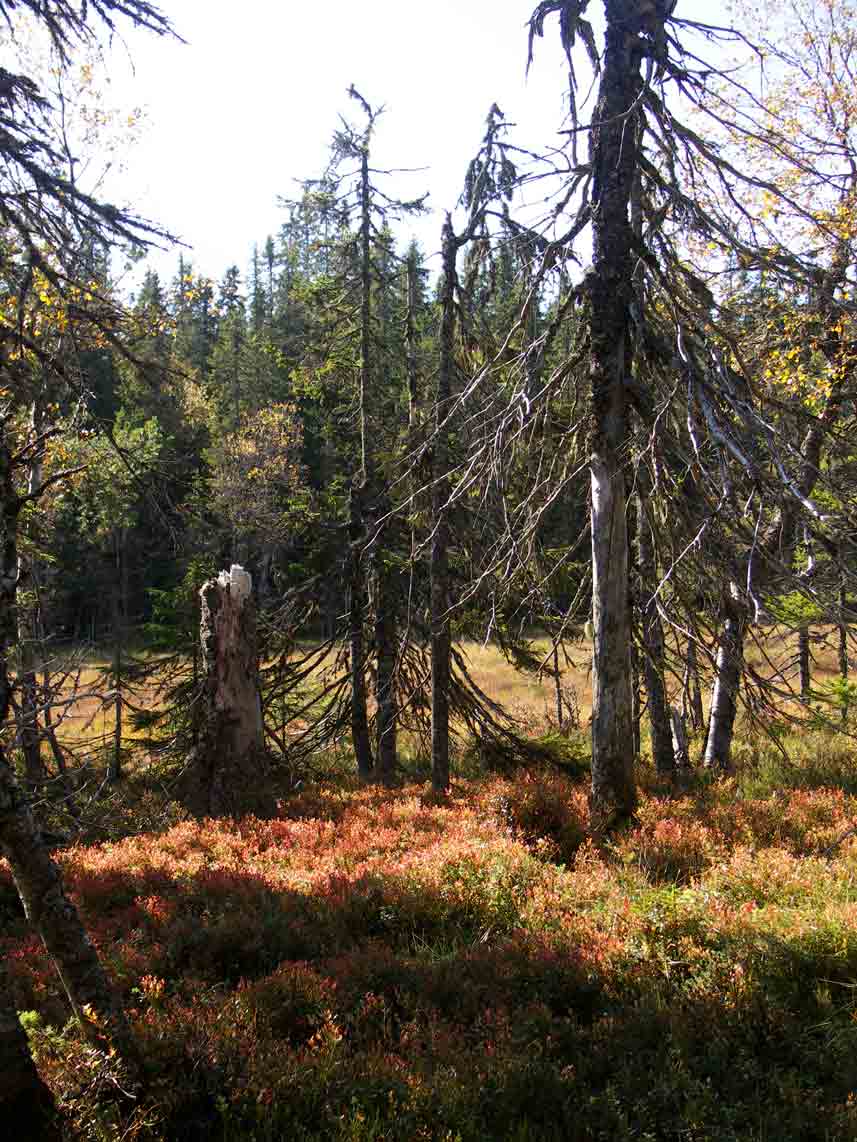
385 658
371 489
441 644
36 877
691 693
653 646
727 680
679 739
804 658
26 1103
614 158
356 608
224 772
843 647
115 770
34 767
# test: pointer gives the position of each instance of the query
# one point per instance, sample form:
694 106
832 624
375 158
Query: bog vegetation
426 701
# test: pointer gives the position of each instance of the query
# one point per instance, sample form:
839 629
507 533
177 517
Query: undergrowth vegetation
370 965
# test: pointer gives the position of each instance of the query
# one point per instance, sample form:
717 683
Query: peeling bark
727 680
225 770
680 750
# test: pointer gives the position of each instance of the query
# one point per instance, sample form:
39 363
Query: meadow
374 964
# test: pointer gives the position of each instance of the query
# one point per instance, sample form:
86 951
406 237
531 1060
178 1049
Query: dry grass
85 726
527 696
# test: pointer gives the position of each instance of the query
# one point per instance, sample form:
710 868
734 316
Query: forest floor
375 965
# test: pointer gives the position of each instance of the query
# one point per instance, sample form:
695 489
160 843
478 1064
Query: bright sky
249 103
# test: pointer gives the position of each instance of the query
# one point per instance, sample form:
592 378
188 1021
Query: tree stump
225 771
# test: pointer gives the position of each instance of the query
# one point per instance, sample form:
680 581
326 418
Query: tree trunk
411 342
384 594
633 580
441 645
26 1103
727 680
356 607
36 877
385 658
224 772
653 648
804 658
34 767
636 703
843 648
115 770
54 917
557 683
50 731
691 693
614 157
680 751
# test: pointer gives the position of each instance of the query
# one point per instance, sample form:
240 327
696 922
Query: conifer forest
428 667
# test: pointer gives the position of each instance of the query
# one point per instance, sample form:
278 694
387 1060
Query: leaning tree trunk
27 639
26 1103
653 648
614 158
225 771
34 766
727 680
36 876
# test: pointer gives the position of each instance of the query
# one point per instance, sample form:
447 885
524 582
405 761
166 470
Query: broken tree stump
225 772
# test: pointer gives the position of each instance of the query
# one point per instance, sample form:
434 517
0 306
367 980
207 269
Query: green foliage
795 609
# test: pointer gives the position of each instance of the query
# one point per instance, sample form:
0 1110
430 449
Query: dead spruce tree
348 203
662 350
489 177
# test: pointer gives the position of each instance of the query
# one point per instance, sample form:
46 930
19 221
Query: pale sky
249 104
